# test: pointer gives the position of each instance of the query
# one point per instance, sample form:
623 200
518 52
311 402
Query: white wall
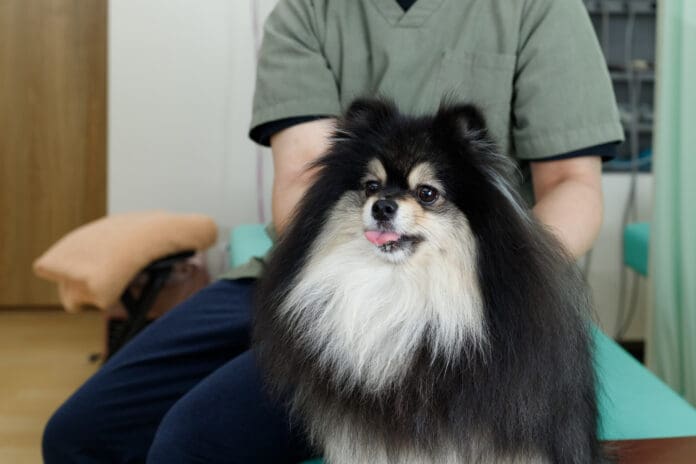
181 77
606 263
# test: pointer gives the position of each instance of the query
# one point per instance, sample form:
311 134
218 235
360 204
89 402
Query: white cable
260 197
623 320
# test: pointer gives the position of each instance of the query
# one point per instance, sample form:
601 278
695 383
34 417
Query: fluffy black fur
533 389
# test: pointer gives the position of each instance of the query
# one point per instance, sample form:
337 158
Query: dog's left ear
463 118
367 111
468 122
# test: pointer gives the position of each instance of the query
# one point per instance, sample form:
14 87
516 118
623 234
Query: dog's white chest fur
365 318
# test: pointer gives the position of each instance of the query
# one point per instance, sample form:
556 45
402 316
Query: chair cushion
94 263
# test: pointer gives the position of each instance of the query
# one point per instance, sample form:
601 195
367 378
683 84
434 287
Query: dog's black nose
384 210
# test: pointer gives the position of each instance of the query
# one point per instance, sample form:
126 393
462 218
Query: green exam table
633 403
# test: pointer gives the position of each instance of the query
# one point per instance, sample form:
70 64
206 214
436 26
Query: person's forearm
294 149
573 212
286 195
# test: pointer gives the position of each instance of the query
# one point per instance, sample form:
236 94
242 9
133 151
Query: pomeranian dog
415 311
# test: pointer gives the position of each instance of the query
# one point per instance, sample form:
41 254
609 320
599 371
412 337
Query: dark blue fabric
186 390
262 134
607 151
406 4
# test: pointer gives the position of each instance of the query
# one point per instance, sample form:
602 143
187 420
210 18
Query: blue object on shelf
623 164
636 246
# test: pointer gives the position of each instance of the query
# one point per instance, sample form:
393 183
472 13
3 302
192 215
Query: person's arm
569 199
563 101
293 149
568 192
293 80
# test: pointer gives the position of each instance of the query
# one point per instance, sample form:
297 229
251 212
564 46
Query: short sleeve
293 77
563 100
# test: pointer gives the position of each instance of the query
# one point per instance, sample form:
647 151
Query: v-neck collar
413 17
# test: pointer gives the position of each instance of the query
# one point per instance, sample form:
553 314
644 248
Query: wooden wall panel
52 133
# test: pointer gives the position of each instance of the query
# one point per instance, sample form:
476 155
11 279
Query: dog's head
412 242
414 186
390 242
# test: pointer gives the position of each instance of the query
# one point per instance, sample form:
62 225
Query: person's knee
175 440
64 432
187 435
200 429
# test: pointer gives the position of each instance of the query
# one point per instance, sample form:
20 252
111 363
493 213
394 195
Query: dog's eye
371 187
427 194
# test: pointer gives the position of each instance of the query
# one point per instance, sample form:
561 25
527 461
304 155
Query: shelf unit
626 32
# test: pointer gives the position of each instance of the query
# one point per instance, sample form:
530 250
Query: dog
415 311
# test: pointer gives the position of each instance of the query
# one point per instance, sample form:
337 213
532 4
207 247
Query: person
187 388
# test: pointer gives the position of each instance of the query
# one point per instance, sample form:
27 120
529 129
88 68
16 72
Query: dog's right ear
367 111
462 118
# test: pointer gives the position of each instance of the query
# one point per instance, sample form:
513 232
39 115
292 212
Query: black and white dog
416 312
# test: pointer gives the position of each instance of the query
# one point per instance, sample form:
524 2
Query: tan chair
134 266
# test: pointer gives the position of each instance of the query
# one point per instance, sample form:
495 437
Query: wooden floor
43 359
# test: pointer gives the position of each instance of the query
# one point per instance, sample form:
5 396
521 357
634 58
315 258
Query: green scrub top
534 67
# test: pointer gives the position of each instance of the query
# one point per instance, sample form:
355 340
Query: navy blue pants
186 390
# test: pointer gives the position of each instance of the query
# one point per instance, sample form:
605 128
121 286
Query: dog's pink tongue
379 238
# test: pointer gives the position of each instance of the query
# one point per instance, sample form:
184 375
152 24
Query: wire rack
626 31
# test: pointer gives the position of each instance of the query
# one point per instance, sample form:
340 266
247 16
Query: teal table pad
633 402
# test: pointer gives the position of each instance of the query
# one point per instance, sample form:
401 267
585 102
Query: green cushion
636 244
247 241
633 402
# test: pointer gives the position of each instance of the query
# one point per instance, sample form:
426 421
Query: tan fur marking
376 169
423 174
